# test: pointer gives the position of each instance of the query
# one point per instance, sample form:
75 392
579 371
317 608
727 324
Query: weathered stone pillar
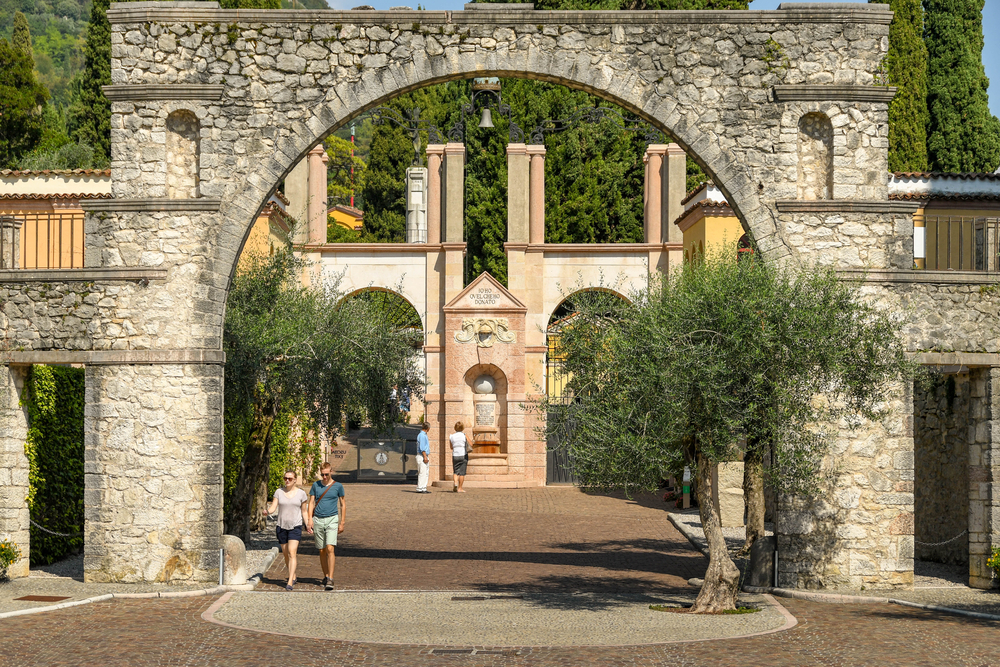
653 216
297 191
10 242
435 152
453 215
517 193
14 466
318 160
153 473
434 328
858 530
984 473
674 191
536 206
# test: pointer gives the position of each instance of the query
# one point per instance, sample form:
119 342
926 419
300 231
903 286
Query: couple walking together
321 512
459 457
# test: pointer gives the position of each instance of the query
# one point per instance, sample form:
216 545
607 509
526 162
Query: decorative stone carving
484 330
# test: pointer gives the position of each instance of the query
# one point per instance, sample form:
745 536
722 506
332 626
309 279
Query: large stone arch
265 86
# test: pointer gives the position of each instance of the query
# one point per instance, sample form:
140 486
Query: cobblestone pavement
549 539
172 632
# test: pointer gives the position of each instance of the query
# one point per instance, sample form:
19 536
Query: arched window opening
182 155
815 172
395 310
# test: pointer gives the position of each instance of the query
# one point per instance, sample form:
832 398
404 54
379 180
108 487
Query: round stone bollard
234 560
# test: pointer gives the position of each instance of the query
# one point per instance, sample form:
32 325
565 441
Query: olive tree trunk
246 507
753 491
722 577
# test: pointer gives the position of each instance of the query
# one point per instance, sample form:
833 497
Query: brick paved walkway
543 540
172 632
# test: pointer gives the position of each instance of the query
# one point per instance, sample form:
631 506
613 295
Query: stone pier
14 466
153 468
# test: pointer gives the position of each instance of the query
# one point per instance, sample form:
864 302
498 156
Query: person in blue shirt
423 458
327 518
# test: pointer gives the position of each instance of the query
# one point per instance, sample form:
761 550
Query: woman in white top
291 504
459 456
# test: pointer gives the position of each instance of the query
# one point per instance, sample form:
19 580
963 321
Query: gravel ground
423 617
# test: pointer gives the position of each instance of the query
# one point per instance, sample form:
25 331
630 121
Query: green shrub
10 553
55 400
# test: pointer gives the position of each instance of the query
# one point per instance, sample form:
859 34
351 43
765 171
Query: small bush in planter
994 562
10 553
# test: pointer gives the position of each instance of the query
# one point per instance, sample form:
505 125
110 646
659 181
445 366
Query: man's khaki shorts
325 530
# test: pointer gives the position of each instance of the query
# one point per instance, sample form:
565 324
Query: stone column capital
517 149
656 149
535 150
435 149
674 149
454 148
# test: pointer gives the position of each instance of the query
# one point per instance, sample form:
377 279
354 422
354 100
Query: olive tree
726 358
291 345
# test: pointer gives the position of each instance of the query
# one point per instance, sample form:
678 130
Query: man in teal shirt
326 519
423 458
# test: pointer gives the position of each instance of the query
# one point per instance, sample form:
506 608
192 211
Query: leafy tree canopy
289 345
723 352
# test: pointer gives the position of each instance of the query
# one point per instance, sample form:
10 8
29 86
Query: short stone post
10 242
153 473
536 205
14 516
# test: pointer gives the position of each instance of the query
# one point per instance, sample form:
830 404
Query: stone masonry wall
942 425
14 467
153 467
858 531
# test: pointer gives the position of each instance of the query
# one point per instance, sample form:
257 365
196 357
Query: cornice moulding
835 93
844 206
152 204
96 275
166 12
146 92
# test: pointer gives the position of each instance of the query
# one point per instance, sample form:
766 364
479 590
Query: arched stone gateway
264 87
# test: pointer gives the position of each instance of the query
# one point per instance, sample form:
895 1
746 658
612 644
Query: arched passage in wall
396 309
561 318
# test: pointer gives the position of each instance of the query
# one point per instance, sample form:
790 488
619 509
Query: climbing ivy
54 400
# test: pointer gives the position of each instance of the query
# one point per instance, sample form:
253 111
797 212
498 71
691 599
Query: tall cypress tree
21 39
90 113
962 134
906 64
22 100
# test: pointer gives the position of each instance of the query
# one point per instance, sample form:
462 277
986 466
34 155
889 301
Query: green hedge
54 400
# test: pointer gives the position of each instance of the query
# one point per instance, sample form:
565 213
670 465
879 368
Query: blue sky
991 27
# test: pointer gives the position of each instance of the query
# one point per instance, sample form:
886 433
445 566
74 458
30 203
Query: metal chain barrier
52 532
937 544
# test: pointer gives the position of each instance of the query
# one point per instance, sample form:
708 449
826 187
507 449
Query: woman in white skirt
459 456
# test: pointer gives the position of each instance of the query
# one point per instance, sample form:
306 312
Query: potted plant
10 553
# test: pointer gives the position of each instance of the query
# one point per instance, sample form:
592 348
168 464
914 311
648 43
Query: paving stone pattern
551 539
172 632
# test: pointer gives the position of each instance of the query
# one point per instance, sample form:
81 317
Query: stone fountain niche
488 386
485 381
